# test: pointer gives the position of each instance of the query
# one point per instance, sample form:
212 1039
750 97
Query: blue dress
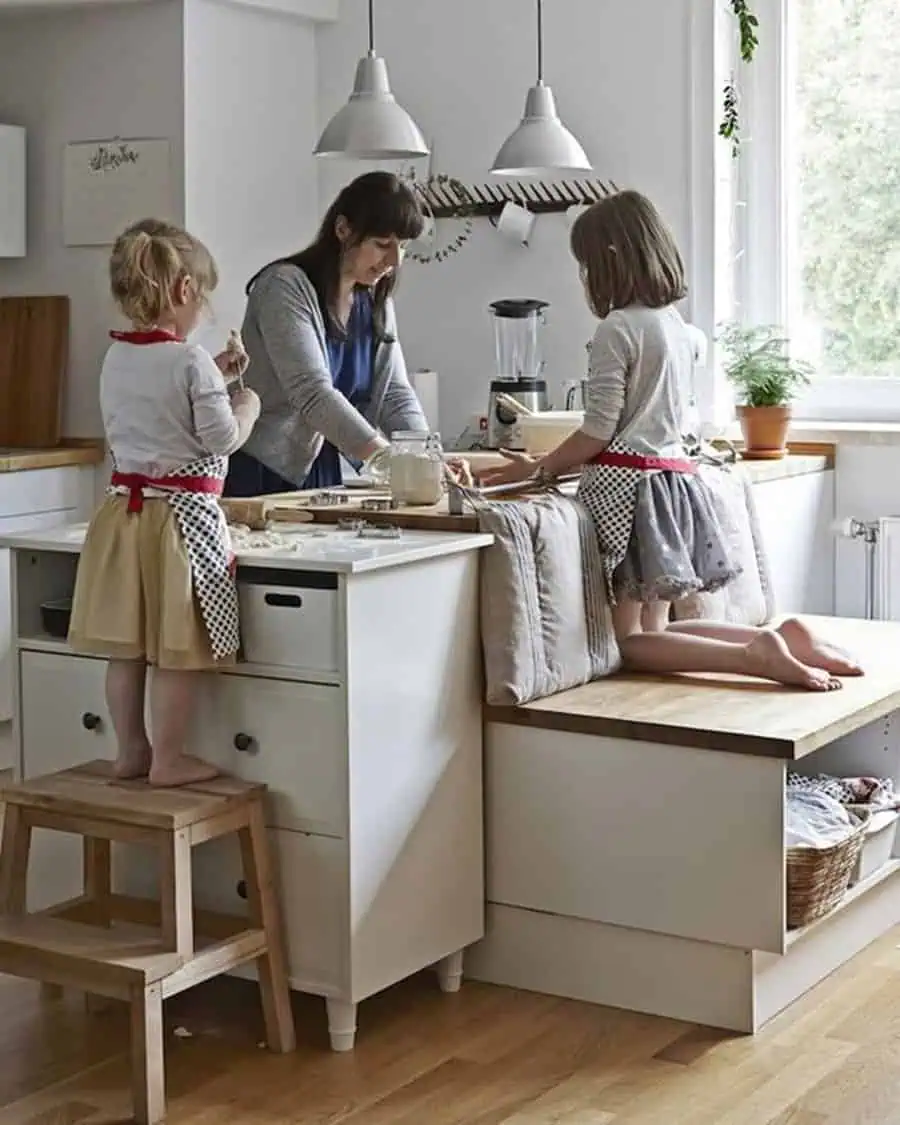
350 361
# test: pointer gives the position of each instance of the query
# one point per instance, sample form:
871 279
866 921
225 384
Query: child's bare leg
173 695
802 642
125 682
665 652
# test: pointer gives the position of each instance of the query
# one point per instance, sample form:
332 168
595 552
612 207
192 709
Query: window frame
766 241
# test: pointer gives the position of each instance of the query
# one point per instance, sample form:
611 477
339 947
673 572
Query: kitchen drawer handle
90 721
241 889
243 742
285 601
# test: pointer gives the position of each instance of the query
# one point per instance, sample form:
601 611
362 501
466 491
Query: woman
321 338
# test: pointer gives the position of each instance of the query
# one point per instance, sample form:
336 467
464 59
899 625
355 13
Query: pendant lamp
372 126
541 144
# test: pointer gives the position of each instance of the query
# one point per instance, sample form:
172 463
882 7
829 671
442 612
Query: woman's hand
521 466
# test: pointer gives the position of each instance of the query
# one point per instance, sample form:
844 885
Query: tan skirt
134 598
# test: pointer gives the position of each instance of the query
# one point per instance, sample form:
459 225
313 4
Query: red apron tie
137 482
639 461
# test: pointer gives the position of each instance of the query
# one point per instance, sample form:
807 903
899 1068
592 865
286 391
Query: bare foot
816 653
769 657
183 770
133 762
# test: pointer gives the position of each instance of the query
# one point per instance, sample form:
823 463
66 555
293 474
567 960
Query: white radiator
881 539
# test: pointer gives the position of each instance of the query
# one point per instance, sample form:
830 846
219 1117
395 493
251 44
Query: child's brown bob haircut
627 255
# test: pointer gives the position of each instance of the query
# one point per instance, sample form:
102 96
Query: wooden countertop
733 714
803 457
300 506
71 451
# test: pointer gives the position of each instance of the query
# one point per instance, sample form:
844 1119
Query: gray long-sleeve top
285 338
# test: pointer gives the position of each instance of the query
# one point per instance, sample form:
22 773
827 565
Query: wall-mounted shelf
449 198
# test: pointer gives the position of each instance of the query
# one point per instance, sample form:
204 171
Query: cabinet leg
148 1070
341 1024
450 972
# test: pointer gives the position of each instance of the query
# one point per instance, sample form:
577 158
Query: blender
517 324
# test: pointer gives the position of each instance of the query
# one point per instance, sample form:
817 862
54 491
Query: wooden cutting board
34 355
302 507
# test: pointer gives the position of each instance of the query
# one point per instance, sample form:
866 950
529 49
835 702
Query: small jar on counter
417 468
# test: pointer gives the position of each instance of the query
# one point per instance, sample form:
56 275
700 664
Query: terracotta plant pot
765 430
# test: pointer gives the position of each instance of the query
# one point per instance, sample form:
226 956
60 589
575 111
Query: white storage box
878 845
289 618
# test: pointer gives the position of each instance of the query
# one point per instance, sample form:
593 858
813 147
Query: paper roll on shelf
425 384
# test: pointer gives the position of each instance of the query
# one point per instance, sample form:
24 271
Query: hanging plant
463 213
748 28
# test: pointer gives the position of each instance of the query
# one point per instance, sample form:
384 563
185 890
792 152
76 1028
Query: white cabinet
30 501
796 516
12 191
365 724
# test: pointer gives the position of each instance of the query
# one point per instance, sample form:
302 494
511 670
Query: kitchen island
358 703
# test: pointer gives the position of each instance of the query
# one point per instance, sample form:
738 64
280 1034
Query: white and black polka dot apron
204 530
608 490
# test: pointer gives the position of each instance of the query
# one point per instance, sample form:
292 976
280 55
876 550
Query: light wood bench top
91 790
731 713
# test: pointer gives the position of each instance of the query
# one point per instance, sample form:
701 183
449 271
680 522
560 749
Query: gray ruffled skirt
678 545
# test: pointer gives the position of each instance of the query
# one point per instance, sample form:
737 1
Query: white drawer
45 490
290 735
312 883
289 619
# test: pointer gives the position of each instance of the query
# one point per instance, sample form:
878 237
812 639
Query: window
819 176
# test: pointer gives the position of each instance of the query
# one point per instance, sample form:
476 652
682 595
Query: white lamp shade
372 126
541 143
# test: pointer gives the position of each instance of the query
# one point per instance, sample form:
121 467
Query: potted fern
758 364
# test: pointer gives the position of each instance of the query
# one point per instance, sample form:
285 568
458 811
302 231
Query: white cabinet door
64 723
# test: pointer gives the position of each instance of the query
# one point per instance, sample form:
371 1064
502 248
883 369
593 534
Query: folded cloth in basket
546 624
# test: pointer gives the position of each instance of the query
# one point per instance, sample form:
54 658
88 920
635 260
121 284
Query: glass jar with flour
417 468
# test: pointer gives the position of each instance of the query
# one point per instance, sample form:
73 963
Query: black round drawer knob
241 889
90 721
243 742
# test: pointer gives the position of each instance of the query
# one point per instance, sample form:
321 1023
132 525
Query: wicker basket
817 878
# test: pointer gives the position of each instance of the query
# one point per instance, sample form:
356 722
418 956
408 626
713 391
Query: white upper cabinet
12 191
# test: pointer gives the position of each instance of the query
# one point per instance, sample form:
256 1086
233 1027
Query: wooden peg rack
450 199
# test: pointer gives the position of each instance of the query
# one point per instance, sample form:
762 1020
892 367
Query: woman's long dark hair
375 205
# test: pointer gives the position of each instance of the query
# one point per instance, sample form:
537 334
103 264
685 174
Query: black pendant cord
371 27
540 42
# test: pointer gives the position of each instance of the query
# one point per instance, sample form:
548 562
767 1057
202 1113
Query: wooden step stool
100 941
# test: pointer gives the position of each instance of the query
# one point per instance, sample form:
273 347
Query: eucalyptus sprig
462 213
748 33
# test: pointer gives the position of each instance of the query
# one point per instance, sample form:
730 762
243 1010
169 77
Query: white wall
232 87
73 76
622 75
250 179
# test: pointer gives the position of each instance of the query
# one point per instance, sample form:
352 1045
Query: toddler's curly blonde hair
147 262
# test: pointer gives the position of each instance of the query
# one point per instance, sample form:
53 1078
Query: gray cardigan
285 338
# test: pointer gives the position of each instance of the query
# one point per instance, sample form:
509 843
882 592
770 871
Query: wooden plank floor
487 1056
